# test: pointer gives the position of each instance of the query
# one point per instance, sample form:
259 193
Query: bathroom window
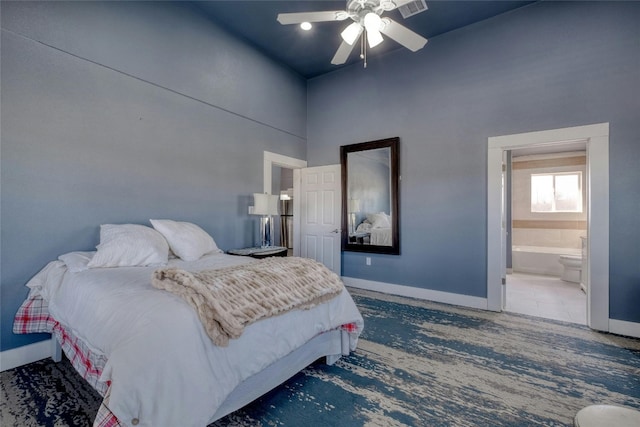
556 192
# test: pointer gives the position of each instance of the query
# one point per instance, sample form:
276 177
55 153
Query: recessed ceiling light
305 26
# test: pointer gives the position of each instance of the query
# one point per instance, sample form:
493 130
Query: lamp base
352 223
266 231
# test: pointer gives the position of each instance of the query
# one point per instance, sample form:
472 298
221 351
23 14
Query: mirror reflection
370 220
369 198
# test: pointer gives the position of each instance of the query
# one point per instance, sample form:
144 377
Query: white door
320 197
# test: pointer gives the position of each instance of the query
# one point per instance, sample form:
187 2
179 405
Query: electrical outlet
368 260
250 210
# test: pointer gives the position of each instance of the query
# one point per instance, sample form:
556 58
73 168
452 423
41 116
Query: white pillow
186 240
129 245
379 220
364 226
77 261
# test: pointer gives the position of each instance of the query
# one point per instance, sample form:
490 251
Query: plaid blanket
33 317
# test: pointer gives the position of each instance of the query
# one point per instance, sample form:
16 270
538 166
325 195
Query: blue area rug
417 364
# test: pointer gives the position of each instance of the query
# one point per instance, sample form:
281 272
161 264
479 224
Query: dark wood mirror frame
348 243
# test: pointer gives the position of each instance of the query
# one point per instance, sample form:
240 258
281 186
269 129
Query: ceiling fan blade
402 35
297 18
342 54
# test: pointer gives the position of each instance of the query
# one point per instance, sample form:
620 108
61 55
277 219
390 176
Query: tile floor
545 296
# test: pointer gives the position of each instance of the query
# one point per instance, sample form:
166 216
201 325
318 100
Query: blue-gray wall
545 66
120 112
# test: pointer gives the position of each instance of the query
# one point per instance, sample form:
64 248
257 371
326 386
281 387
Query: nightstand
260 252
360 238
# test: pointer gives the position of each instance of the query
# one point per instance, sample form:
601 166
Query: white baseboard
419 293
622 327
15 357
618 327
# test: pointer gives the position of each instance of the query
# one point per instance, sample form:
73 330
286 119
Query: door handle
336 231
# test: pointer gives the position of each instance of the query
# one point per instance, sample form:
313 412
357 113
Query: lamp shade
273 204
284 196
354 205
265 204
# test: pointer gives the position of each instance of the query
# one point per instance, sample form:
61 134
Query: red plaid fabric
33 316
105 418
350 327
88 363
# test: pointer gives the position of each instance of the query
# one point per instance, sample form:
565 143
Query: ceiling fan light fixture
351 33
373 23
366 16
374 38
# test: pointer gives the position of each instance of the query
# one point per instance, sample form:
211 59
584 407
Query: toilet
572 268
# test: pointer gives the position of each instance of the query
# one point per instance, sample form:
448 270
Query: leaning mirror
370 216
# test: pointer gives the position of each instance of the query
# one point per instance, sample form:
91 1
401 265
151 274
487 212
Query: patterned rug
417 364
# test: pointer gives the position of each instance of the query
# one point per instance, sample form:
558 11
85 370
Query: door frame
597 137
273 159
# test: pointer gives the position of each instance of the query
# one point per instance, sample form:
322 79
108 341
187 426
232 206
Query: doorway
545 296
283 165
282 186
327 207
546 207
597 256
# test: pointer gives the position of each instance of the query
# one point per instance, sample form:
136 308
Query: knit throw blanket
230 298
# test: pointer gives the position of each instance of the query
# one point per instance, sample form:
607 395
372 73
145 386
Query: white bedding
380 236
164 369
378 226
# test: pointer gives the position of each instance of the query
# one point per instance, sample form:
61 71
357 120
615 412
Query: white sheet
164 369
380 236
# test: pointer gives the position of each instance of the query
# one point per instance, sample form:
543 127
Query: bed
147 351
377 226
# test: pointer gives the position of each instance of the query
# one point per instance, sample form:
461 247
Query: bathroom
547 232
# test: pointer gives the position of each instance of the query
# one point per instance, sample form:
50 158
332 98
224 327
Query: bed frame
331 345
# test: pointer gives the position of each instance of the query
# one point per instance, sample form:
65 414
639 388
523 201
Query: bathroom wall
546 229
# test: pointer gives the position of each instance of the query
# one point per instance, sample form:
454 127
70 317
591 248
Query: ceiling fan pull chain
365 57
363 48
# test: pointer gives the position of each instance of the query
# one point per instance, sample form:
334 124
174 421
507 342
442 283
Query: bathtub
540 259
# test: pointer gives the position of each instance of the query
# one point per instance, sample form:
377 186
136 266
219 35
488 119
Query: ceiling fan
367 21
